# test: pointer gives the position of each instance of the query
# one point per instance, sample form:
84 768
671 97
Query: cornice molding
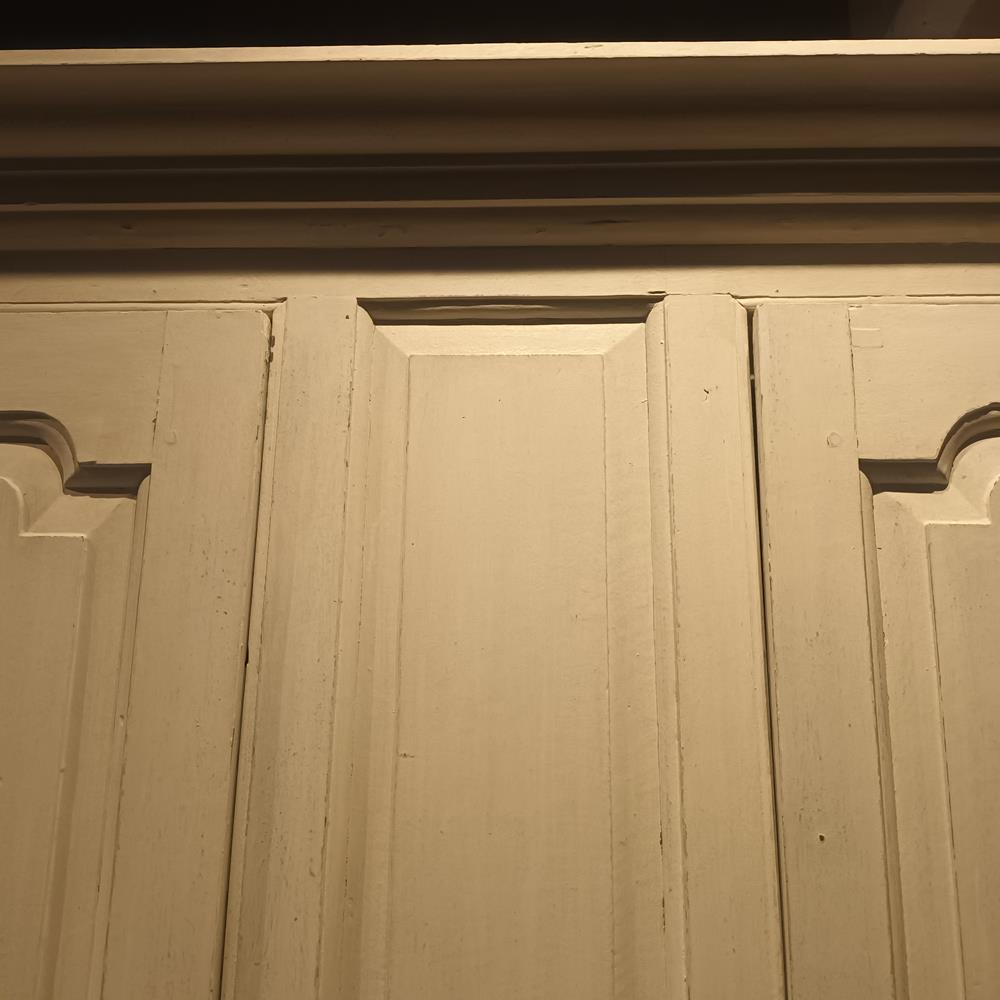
502 145
593 97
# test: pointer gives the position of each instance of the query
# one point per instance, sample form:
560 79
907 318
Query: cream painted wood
732 888
77 367
509 98
829 790
275 926
319 228
936 557
505 273
463 223
517 787
63 587
123 638
885 710
951 357
814 143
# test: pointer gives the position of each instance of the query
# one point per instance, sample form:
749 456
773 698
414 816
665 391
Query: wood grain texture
499 747
63 590
919 369
934 557
487 782
934 554
734 934
963 560
101 372
123 642
275 920
829 783
174 826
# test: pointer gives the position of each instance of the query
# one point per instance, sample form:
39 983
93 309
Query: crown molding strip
680 144
917 222
499 98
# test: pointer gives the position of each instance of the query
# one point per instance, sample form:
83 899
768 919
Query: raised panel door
129 457
522 743
880 459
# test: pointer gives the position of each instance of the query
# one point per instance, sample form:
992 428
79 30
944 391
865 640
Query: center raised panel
510 738
504 832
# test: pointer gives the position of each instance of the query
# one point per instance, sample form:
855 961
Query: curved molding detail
974 487
933 475
45 432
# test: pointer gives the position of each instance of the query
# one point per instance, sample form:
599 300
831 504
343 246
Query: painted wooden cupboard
455 545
